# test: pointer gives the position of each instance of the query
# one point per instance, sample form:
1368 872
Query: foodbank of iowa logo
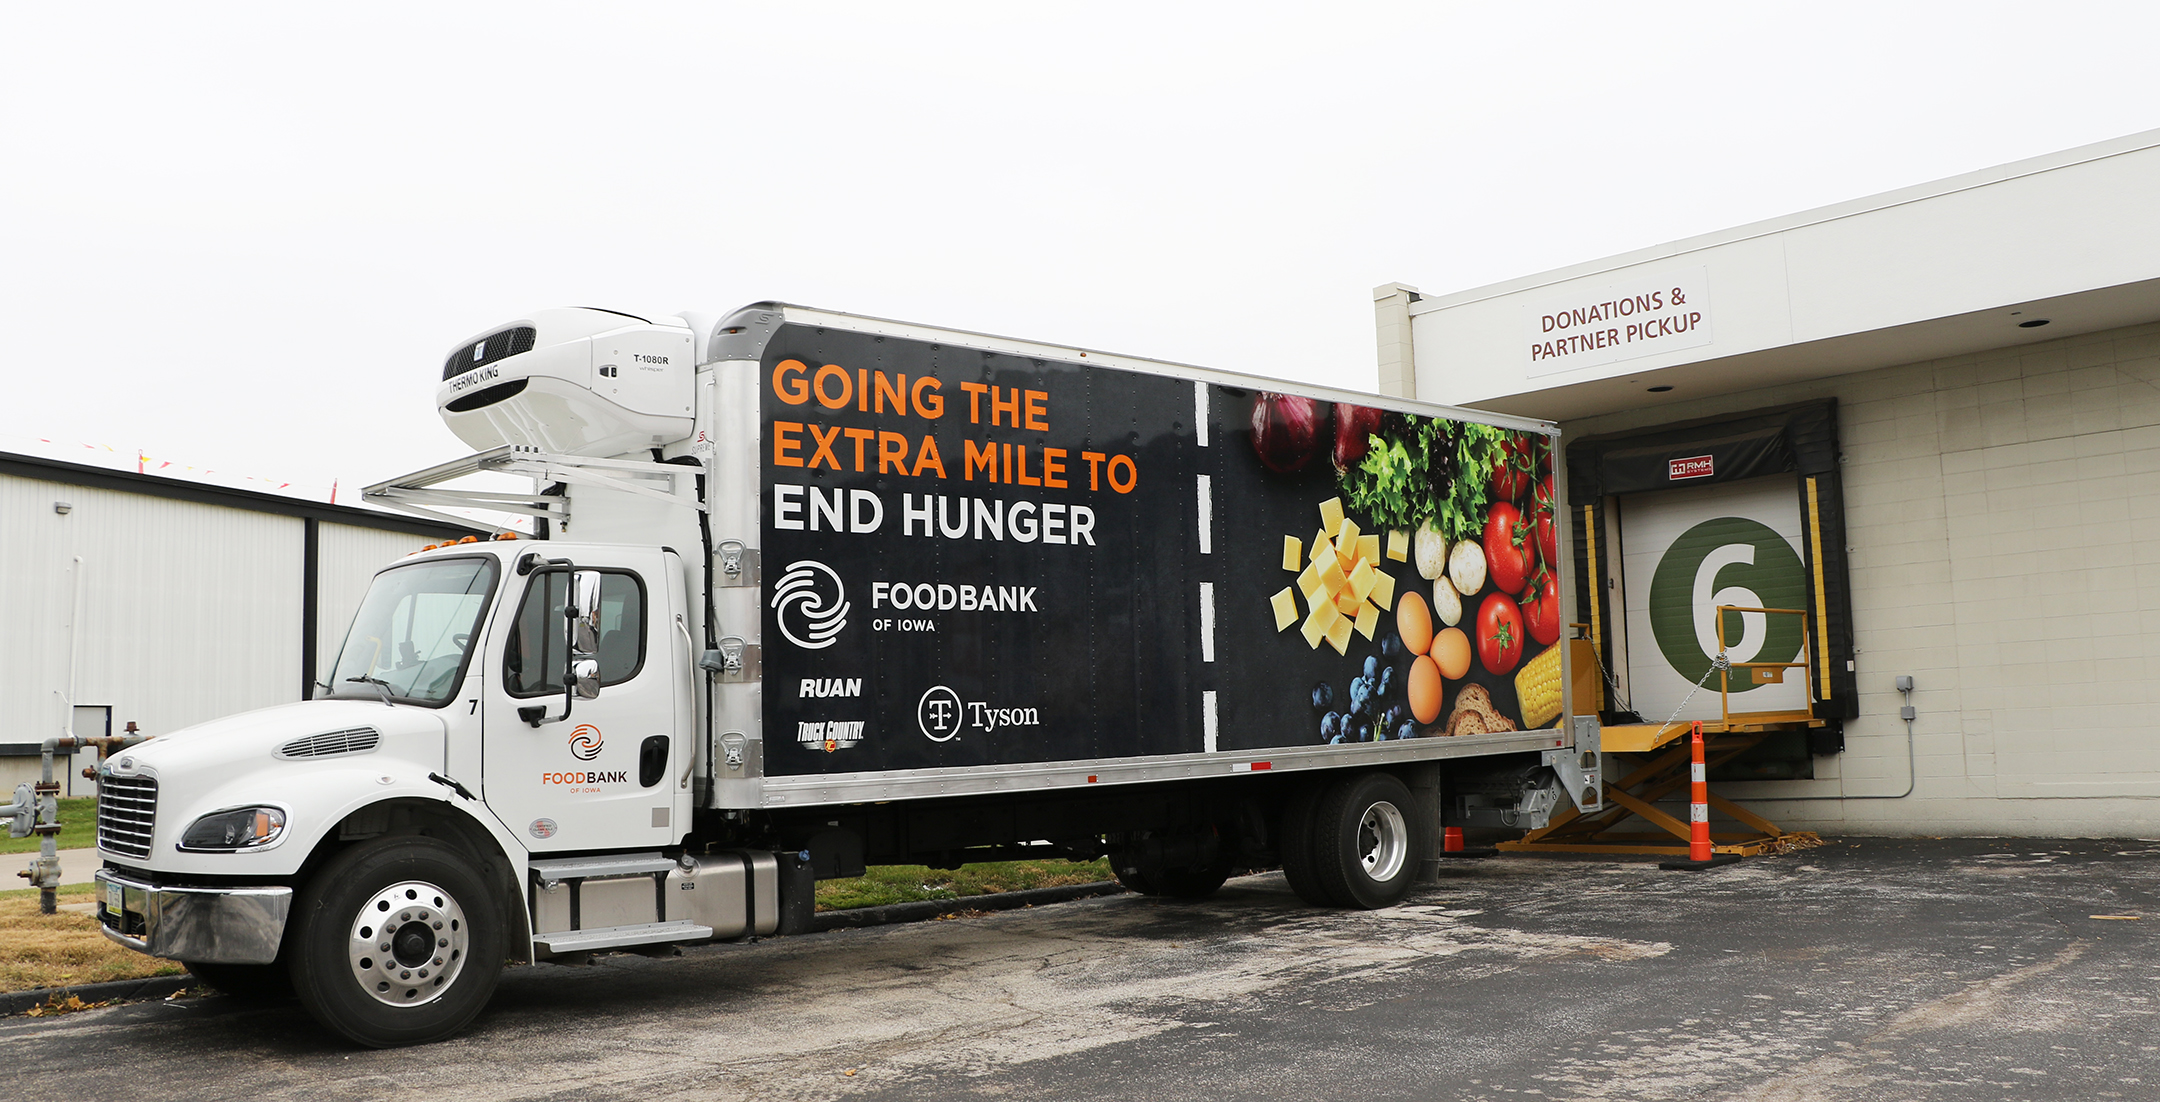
810 604
1726 561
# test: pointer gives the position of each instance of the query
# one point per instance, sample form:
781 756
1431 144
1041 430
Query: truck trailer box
805 591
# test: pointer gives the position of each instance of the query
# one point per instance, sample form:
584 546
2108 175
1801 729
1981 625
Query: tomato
1541 515
1508 554
1499 634
1541 608
1511 469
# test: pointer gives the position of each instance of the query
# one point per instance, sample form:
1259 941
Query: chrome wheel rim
408 943
1383 841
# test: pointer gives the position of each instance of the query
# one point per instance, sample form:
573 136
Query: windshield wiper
381 686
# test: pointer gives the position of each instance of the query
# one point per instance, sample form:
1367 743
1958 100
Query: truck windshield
413 630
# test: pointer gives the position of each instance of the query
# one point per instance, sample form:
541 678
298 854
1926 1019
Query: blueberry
1407 730
1372 665
1323 696
1387 679
1391 718
1360 696
1364 731
1390 645
1338 740
1329 726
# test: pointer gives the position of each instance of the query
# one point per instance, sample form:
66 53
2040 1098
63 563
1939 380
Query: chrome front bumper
212 925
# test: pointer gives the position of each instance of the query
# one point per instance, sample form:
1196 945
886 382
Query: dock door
1721 533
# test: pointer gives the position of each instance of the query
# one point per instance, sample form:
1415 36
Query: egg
1425 689
1413 621
1451 653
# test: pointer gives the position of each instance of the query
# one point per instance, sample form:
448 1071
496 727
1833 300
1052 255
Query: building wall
179 610
347 558
2003 510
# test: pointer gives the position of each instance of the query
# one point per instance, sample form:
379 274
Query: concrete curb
861 917
157 987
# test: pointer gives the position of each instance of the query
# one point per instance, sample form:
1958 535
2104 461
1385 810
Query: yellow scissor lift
1660 754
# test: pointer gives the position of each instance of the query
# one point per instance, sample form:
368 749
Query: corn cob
1537 689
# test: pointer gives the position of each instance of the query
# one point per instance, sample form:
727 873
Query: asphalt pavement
1917 971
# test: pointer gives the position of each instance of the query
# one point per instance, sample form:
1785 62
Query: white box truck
807 591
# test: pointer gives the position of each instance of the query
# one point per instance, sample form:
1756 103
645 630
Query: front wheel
1364 852
397 942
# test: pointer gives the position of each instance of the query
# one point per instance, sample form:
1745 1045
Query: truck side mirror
584 613
581 616
585 677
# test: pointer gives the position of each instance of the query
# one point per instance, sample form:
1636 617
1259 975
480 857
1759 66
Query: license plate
115 898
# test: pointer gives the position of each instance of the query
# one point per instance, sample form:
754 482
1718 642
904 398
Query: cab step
619 937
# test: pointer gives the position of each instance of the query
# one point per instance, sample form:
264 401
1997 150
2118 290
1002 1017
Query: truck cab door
605 777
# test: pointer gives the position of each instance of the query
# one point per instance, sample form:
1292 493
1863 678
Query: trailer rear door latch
738 565
735 660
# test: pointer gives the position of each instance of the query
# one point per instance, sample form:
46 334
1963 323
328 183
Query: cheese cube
1346 557
1362 581
1398 545
1293 553
1331 516
1347 603
1368 548
1315 629
1332 580
1383 590
1338 636
1367 618
1319 538
1348 537
1323 552
1285 608
1308 582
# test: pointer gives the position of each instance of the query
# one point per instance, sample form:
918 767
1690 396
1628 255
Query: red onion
1285 431
1354 427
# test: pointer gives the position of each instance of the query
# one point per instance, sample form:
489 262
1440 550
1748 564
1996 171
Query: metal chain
1719 663
1611 684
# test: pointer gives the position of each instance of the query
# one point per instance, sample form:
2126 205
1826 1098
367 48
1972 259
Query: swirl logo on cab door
810 605
585 742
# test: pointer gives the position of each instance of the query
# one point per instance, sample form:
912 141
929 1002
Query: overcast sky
242 238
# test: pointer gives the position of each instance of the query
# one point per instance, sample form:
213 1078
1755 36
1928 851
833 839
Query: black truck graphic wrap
978 558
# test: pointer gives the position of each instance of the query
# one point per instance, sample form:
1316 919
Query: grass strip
38 950
57 950
886 884
78 827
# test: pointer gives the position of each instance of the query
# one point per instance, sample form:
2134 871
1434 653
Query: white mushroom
1446 603
1466 565
1430 549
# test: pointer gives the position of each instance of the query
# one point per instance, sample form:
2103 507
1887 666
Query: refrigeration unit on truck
806 592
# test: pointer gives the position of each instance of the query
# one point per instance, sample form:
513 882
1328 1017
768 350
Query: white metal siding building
1990 345
136 598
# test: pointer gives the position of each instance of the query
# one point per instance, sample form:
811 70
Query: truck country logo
1726 561
586 742
829 735
810 605
941 715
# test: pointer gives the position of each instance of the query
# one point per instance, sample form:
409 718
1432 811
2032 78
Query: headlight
240 828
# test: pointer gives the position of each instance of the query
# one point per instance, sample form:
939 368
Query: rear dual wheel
1350 842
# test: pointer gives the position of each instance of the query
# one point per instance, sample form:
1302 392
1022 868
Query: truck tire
1364 852
396 942
1294 846
246 982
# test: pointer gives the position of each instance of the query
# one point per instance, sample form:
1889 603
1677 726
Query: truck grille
353 740
127 810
